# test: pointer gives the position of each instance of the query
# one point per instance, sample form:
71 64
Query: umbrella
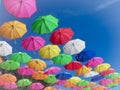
10 65
108 71
90 74
20 57
74 65
111 85
49 88
36 64
49 51
77 88
85 55
82 83
94 62
97 78
98 87
105 82
74 79
52 70
102 67
25 71
91 84
51 79
5 48
33 43
62 59
88 88
113 75
36 86
74 46
63 76
13 29
60 82
61 36
21 8
84 70
69 84
10 86
116 80
45 24
24 82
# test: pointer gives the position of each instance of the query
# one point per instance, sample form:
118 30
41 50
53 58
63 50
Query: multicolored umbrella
113 75
51 79
116 80
60 82
49 88
21 8
63 76
91 74
24 82
105 82
97 78
108 71
36 86
10 86
82 83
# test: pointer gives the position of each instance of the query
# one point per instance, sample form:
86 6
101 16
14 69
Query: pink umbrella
94 62
108 71
25 71
21 8
52 70
33 43
77 88
105 82
36 86
61 82
10 86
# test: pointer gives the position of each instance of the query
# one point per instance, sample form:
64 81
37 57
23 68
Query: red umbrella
108 71
61 36
74 65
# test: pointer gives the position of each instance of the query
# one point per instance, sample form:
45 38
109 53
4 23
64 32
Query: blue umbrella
63 76
85 55
97 78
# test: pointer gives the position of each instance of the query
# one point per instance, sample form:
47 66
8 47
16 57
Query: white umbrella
74 46
5 48
91 74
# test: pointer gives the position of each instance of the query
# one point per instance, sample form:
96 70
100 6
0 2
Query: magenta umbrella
105 82
10 86
33 43
36 86
61 82
21 8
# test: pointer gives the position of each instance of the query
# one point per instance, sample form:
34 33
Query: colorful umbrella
60 82
74 46
49 88
49 51
74 65
5 48
69 84
74 79
105 82
78 88
13 29
33 43
113 75
88 88
20 57
91 84
62 59
90 74
97 78
21 8
108 71
82 83
98 87
63 76
24 82
116 80
45 24
94 62
111 85
51 79
36 86
85 55
61 36
10 86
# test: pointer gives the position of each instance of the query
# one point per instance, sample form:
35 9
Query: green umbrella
24 83
87 88
10 65
112 85
62 59
51 79
45 24
113 75
20 57
82 83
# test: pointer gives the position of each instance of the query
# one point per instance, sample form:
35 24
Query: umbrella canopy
45 24
82 83
61 36
10 86
105 82
94 62
74 46
10 65
33 43
69 84
111 85
97 78
62 59
84 70
74 79
78 88
90 74
88 88
51 79
63 76
24 82
113 75
85 55
20 57
49 88
91 84
21 8
36 64
5 48
36 86
98 87
13 29
60 82
74 65
108 71
52 70
116 80
49 51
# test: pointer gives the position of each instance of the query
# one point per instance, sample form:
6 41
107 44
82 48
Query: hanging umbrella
51 79
116 80
105 82
49 51
94 62
74 65
10 65
13 29
108 71
113 75
84 70
61 36
45 24
49 88
88 88
97 78
24 82
52 70
91 84
33 43
20 57
36 86
78 88
74 46
69 84
10 86
63 76
62 59
60 82
82 83
5 48
111 85
91 74
21 8
85 55
74 79
36 64
98 87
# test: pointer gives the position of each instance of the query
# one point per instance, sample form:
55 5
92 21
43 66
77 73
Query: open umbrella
36 86
78 88
97 78
98 87
91 84
74 79
82 83
45 24
91 74
108 71
51 79
113 75
105 82
63 76
10 86
69 84
21 8
116 80
49 88
111 85
60 82
24 82
74 46
61 36
5 48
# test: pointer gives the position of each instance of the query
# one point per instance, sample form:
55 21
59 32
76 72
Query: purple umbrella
105 82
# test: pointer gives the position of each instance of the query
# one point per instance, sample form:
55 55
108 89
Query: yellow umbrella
49 51
84 70
74 79
102 67
13 29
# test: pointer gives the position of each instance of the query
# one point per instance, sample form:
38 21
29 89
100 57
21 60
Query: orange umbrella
1 60
91 84
116 80
69 84
99 87
50 88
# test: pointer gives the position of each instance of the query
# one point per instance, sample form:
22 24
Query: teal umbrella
24 83
51 79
